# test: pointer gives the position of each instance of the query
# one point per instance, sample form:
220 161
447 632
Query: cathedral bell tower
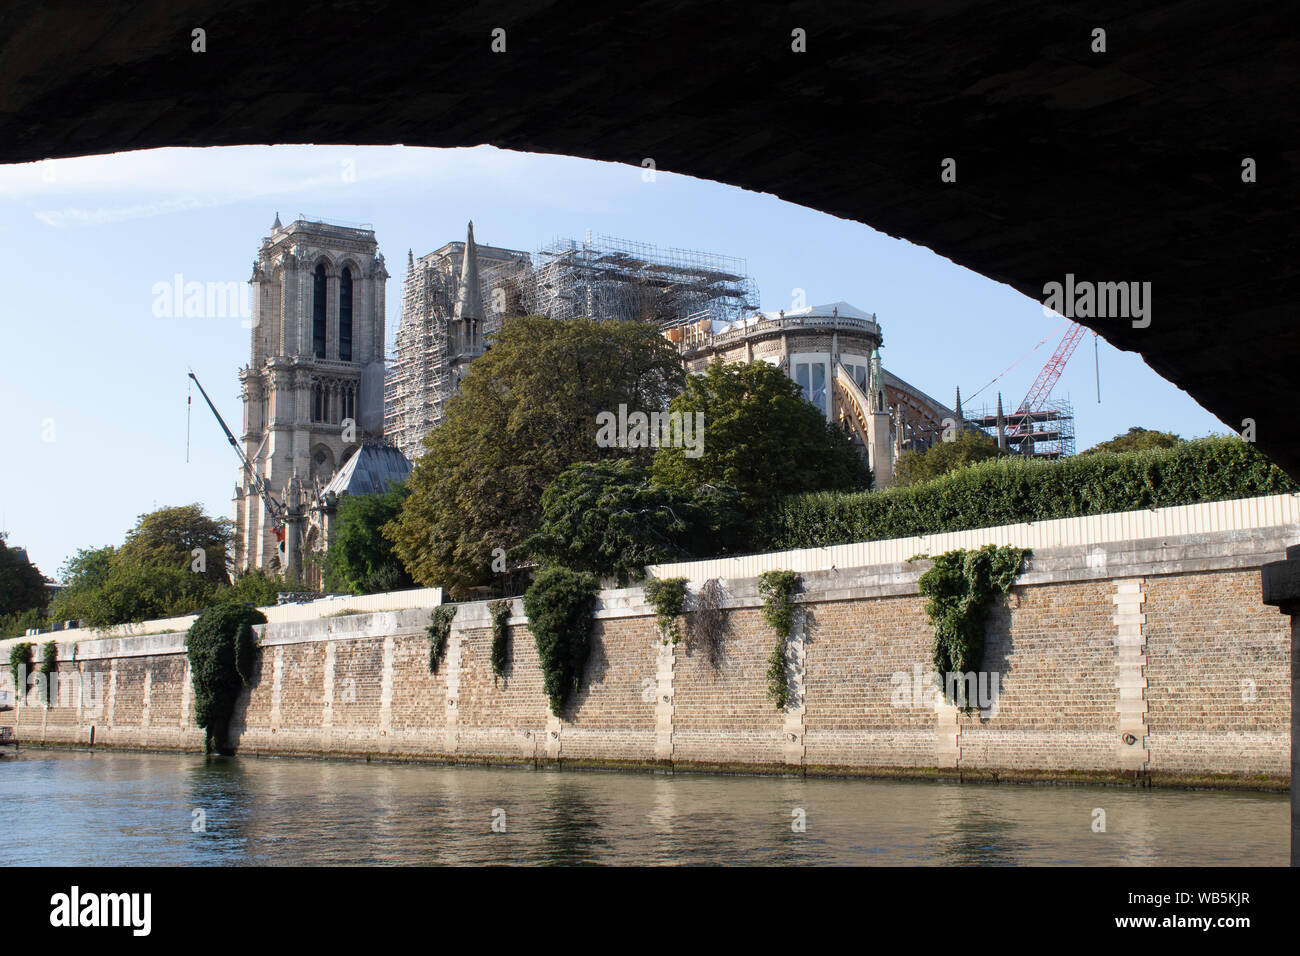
314 387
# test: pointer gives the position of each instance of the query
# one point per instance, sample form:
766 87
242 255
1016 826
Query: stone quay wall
1148 660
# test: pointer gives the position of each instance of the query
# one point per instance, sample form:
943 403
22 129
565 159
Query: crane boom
272 505
1047 378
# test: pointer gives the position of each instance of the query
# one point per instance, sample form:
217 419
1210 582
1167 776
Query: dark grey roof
369 471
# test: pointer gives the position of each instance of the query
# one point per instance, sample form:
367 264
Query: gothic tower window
348 401
345 316
318 312
317 403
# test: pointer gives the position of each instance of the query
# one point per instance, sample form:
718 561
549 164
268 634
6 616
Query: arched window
318 312
316 403
345 316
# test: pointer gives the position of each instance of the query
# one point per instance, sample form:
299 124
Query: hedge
1010 490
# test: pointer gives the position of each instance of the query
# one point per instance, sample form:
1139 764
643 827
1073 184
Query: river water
82 808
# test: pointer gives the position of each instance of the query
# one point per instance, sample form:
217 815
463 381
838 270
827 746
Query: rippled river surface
81 808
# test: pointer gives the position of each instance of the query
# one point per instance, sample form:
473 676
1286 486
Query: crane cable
1019 360
189 399
1096 360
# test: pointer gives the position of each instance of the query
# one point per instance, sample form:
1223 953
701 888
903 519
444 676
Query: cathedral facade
313 390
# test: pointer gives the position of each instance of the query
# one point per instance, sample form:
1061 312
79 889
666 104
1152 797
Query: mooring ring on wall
1129 739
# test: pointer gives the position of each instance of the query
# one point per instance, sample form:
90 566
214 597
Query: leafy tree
135 591
82 575
1135 439
526 412
169 536
22 586
966 448
609 518
360 560
760 437
255 588
16 625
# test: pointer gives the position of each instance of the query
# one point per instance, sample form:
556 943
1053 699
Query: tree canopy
171 536
528 410
22 586
608 518
1136 438
760 437
153 574
966 448
360 559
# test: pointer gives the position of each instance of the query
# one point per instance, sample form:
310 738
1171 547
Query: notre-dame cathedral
313 392
323 420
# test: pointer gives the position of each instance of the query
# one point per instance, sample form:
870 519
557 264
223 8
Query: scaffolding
1047 432
609 278
601 277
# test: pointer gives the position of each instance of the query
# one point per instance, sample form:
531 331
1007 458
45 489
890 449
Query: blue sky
95 383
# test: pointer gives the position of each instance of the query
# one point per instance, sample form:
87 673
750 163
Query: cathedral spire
958 408
276 224
469 298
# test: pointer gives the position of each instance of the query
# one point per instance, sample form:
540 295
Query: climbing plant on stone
20 661
960 586
775 587
220 646
438 630
49 663
668 598
500 637
560 604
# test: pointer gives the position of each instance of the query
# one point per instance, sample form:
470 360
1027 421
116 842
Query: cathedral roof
370 471
842 309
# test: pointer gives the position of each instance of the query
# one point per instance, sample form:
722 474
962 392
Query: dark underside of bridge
1122 166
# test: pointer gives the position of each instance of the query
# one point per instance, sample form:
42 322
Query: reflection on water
70 808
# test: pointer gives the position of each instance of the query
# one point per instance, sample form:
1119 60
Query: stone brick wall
1127 666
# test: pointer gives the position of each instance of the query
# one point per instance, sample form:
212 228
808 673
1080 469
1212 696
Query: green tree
760 437
527 411
135 591
360 559
1135 439
82 576
255 588
171 536
609 518
966 448
22 586
16 625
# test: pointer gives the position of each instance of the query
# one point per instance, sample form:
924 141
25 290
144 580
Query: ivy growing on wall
49 661
438 630
668 598
960 586
20 661
500 637
220 647
560 604
775 587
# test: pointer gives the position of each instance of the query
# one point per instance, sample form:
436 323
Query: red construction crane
1046 380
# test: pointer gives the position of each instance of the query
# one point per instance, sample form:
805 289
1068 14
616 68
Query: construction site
602 277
